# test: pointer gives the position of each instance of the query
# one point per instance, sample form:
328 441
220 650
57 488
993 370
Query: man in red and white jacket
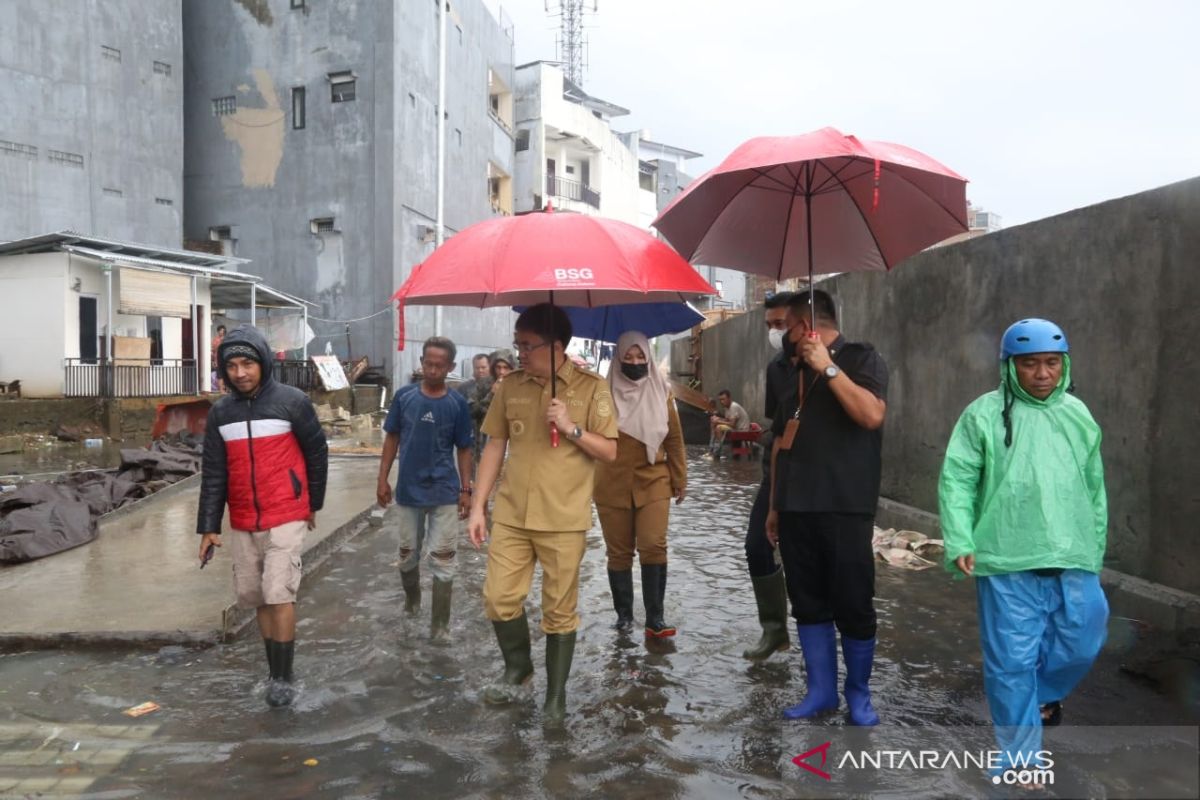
265 454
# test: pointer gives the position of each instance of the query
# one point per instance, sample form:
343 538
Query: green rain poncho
1037 504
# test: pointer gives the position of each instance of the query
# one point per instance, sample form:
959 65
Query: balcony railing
97 377
301 374
572 190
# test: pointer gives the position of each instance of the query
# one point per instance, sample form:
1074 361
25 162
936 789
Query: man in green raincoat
1023 510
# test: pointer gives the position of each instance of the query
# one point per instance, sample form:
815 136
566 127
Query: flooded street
45 458
385 713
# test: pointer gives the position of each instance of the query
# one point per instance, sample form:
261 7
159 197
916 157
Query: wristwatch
576 434
832 371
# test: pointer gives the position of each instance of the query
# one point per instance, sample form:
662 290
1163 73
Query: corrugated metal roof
50 242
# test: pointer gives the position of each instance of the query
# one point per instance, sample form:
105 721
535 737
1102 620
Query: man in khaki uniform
543 507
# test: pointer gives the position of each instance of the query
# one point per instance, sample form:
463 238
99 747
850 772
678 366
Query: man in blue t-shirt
426 424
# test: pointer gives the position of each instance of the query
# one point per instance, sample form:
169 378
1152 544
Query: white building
566 151
662 176
67 301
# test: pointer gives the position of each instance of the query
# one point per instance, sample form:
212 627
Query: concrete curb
137 505
1162 608
234 619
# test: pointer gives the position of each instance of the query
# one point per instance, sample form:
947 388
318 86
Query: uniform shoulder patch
589 373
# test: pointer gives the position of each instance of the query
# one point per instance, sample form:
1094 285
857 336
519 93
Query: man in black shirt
766 574
825 480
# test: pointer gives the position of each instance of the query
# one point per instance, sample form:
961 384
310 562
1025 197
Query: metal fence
97 377
572 190
301 374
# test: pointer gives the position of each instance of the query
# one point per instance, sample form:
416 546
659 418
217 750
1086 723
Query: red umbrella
562 258
818 203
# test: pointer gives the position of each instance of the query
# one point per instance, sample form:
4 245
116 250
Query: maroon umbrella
819 203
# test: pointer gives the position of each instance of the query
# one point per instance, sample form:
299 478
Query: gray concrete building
91 118
311 148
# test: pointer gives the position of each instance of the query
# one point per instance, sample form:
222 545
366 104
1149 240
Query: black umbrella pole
812 306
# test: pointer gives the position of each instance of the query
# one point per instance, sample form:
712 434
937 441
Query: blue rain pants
1040 636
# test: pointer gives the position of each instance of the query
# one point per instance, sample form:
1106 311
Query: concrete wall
1121 278
369 163
79 77
32 324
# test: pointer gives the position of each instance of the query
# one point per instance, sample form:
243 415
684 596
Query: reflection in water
44 458
386 713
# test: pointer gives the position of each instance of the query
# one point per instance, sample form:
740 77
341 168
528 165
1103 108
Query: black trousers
760 556
829 565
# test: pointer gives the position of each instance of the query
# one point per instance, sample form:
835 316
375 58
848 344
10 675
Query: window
322 225
458 133
297 4
111 192
570 169
298 110
223 106
164 201
110 53
162 68
499 190
17 149
522 140
224 235
342 86
500 101
65 159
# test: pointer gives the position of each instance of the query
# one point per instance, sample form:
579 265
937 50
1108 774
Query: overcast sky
1044 106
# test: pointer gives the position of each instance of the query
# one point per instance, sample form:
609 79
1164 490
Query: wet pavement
383 712
140 579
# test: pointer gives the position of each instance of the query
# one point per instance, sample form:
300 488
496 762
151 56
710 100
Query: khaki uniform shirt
546 488
632 482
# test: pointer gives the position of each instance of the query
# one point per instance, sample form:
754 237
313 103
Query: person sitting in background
730 417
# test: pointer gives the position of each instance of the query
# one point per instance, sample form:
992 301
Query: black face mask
635 372
789 347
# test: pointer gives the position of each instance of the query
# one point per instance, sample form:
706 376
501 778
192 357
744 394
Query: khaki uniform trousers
512 554
642 528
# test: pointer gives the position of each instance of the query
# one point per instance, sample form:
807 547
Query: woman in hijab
633 494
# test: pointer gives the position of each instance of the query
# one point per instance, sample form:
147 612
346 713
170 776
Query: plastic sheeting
1040 636
41 519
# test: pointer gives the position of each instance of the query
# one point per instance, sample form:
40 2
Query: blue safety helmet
1032 336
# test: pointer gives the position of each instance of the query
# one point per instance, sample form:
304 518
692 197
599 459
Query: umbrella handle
553 435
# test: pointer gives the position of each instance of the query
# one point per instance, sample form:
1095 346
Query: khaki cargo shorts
266 564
